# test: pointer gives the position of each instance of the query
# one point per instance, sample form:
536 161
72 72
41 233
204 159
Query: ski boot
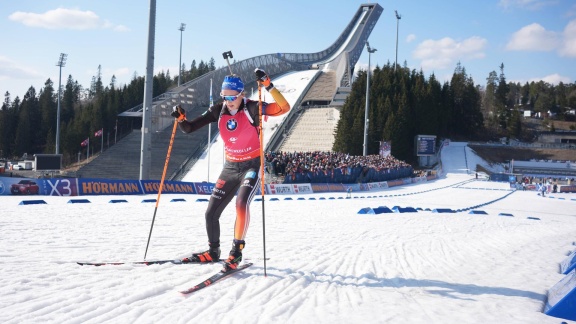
235 255
212 255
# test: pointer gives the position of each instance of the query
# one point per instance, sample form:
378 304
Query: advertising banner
169 187
108 187
337 187
568 188
204 188
320 187
280 189
302 188
377 185
394 183
20 186
59 187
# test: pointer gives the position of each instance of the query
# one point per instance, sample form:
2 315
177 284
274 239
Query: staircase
122 161
313 131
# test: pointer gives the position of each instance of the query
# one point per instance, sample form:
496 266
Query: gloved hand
179 113
262 77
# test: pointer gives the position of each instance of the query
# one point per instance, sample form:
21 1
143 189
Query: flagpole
102 142
88 149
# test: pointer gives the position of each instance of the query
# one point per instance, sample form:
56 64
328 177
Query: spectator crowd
333 167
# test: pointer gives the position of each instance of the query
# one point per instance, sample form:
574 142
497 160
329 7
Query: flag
385 148
84 142
98 132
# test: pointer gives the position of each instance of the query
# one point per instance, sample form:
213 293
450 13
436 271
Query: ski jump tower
340 59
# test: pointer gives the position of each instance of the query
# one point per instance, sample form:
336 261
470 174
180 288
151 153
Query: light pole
370 51
146 142
61 63
181 29
398 17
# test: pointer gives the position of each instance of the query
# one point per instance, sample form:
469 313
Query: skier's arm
188 126
281 106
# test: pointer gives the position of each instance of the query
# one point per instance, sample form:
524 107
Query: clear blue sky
535 39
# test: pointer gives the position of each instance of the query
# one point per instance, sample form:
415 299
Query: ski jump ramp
340 57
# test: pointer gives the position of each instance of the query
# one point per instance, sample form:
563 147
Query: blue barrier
561 301
301 198
505 214
535 218
32 202
443 210
311 198
178 200
366 210
382 210
256 199
568 264
206 200
115 201
78 201
288 198
401 210
274 199
149 200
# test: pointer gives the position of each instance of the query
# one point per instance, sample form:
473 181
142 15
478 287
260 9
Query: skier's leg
250 180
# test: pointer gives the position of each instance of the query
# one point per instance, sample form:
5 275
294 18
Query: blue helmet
233 82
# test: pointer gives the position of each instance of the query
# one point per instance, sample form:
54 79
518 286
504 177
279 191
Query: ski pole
262 178
162 183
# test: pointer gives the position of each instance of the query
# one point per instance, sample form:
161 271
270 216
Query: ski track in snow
327 263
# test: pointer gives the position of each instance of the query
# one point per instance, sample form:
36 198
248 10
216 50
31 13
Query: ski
216 277
172 261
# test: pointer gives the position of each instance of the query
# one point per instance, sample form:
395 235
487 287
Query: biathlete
238 123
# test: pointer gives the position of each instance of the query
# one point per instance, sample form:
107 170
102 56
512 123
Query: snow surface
327 263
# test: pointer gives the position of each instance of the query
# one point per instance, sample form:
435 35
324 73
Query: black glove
262 77
179 113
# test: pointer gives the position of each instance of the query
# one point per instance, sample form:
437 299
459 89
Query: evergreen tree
501 95
489 100
345 127
515 128
6 127
402 135
525 96
10 124
430 123
48 111
25 127
467 117
193 73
